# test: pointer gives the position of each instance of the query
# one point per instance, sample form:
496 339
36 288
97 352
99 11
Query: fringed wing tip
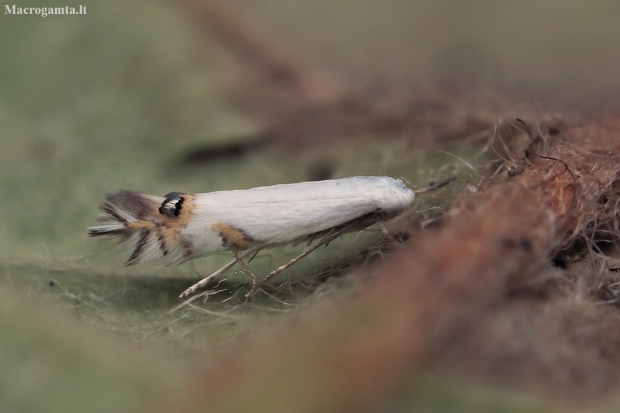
135 219
112 229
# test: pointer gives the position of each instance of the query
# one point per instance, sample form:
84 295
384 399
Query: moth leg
249 272
204 294
386 232
217 273
254 255
324 241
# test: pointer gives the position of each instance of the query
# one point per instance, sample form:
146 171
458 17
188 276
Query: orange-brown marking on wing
233 237
141 225
171 226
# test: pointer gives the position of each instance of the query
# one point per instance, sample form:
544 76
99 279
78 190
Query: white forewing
283 213
182 226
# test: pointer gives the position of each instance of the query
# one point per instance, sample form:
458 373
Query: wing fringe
134 219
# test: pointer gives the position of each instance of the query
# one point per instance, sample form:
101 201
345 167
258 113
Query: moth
185 226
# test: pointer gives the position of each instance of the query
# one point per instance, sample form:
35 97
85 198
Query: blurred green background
562 53
116 98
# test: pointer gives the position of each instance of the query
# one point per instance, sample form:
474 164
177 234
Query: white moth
184 226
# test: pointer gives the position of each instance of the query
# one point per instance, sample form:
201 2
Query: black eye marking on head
172 204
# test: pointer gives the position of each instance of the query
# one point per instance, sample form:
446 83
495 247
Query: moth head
172 204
